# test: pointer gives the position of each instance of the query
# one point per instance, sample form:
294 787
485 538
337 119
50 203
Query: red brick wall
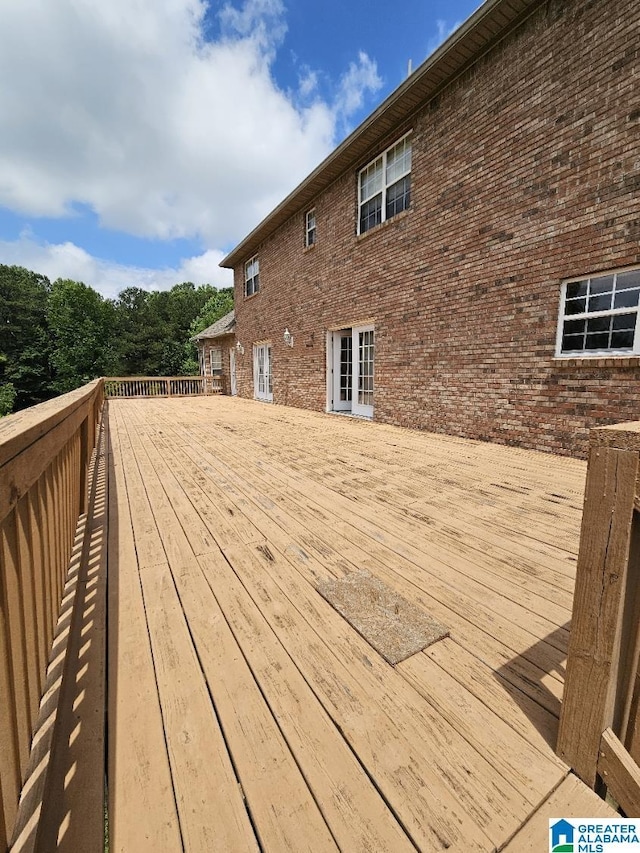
526 170
223 343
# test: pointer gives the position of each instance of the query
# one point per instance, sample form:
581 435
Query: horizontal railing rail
45 453
162 386
599 733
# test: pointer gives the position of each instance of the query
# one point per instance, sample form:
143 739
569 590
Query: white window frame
217 370
252 276
310 228
385 186
588 315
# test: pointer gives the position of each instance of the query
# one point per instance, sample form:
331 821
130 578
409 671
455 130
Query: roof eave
481 31
202 337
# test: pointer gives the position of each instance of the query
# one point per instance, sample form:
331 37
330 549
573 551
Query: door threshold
350 415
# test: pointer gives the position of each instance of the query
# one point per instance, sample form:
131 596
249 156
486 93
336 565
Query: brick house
467 261
217 352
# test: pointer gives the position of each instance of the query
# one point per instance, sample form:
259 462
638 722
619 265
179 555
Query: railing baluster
24 558
37 567
16 636
9 735
54 476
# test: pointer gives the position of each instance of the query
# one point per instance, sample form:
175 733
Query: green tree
7 398
153 326
136 332
82 326
218 304
24 337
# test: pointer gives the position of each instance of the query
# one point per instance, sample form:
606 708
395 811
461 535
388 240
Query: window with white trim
252 276
310 228
215 360
384 186
599 315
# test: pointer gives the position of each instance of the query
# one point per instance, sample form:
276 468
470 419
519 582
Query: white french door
232 372
363 352
262 381
351 365
342 371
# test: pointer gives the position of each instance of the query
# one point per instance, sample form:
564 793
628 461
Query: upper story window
310 228
215 359
252 276
384 186
599 315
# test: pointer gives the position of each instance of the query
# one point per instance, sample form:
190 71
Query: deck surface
246 714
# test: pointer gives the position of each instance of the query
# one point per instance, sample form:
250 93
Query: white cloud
66 260
361 77
307 82
443 31
260 21
123 106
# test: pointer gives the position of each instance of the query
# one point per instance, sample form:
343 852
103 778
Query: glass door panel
262 381
363 370
342 370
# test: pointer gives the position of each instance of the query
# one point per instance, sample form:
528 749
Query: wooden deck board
236 510
142 809
572 799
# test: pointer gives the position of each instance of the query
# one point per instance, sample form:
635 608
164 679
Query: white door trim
233 381
361 375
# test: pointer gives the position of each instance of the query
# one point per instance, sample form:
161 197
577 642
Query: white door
362 382
342 371
262 382
232 371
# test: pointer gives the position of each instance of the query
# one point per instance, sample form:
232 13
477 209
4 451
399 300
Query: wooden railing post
603 647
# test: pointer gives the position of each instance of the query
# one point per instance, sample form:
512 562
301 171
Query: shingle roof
482 31
224 326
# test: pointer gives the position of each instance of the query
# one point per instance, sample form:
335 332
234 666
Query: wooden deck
246 714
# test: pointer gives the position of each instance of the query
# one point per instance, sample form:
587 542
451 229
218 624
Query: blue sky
139 142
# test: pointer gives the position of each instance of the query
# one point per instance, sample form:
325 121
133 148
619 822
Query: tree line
55 337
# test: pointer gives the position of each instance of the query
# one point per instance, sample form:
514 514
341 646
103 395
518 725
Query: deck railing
162 386
599 732
45 453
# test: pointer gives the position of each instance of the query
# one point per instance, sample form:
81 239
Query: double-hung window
252 276
215 360
310 228
599 315
384 186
